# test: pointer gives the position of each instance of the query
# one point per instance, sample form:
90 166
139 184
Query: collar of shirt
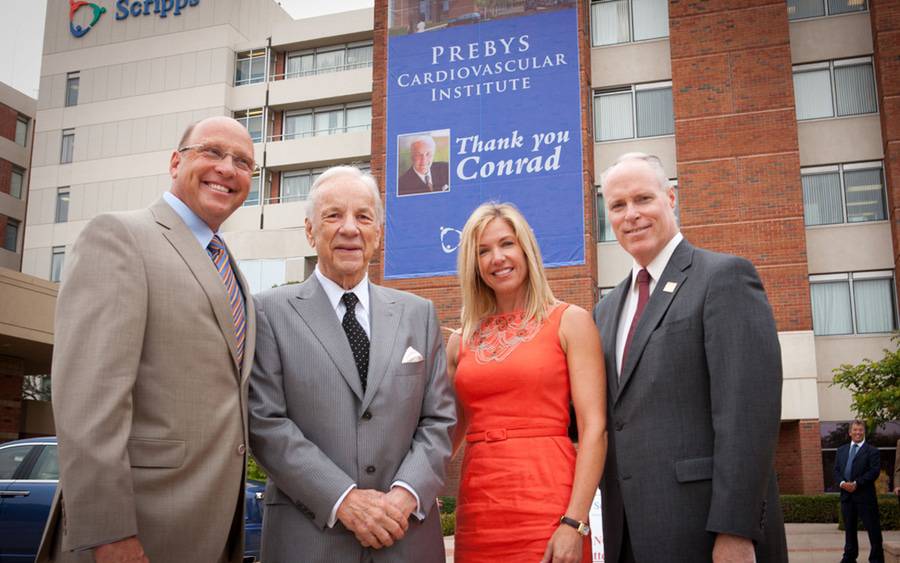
657 266
201 230
858 445
335 292
422 176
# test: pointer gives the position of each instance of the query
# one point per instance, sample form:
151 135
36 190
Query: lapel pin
670 287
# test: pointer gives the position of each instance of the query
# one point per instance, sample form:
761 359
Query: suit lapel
610 334
201 266
384 322
312 304
656 308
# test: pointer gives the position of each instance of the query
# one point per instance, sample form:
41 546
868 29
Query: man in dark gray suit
694 375
350 407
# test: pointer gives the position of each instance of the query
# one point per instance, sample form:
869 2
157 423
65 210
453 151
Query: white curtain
844 6
855 87
654 112
651 19
798 9
831 308
609 22
822 199
613 114
359 118
865 195
358 57
874 305
298 126
812 93
295 187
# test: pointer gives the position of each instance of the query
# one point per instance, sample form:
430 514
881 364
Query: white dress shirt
655 268
362 312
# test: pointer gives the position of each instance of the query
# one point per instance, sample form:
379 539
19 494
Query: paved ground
807 543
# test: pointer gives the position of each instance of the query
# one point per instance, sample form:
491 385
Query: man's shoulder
712 261
282 293
399 296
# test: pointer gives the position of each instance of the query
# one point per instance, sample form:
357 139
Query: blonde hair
478 299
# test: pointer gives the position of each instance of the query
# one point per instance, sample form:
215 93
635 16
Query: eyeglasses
216 154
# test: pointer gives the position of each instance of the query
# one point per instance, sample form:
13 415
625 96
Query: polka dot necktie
356 336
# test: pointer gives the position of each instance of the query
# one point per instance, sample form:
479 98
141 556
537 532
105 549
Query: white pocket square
411 356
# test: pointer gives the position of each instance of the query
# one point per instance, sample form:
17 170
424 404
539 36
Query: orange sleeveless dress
519 464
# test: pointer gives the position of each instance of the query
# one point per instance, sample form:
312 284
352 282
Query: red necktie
643 282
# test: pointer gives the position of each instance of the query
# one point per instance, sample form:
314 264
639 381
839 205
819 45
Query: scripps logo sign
83 16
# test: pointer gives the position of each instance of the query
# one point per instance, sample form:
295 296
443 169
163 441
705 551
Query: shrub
254 471
888 511
448 523
448 505
811 509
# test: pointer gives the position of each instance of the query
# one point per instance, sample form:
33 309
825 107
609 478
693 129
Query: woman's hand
566 545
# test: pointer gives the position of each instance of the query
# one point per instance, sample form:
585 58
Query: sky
23 41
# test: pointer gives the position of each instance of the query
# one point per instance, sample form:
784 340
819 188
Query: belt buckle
495 435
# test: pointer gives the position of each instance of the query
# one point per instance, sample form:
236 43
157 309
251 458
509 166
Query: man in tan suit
154 343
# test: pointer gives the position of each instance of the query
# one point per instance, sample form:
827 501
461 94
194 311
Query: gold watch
580 526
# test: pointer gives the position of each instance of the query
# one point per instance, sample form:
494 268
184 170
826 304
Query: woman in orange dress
519 358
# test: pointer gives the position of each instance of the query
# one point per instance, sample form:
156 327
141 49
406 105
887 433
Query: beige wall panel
123 134
323 30
631 63
832 351
28 306
219 66
303 91
835 37
100 79
110 141
243 219
295 269
13 152
285 215
36 262
847 139
114 81
320 151
93 148
798 354
799 399
268 244
173 72
188 70
91 194
605 154
129 80
849 247
12 206
247 96
834 403
45 101
38 236
613 264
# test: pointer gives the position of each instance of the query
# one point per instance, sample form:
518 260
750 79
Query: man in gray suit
694 394
350 408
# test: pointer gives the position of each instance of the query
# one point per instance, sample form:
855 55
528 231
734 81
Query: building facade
779 122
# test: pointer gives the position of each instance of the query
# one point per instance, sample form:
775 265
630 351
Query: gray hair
426 139
650 160
344 170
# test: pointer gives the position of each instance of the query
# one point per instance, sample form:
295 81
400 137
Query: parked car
29 474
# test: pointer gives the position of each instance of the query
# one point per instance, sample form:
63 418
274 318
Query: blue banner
481 112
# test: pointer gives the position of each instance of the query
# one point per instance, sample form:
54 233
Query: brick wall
8 118
5 175
886 38
798 459
736 139
11 374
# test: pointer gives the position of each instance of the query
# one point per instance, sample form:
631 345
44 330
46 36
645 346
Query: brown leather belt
500 434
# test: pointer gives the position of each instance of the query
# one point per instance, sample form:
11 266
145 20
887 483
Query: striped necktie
219 257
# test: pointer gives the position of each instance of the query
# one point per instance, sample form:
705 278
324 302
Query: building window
853 303
845 193
800 9
252 119
328 120
62 205
67 146
16 182
250 67
11 235
835 88
332 58
57 258
643 110
21 130
263 274
622 21
295 185
255 185
72 80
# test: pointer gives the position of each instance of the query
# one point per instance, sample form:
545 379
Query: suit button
367 415
370 469
619 426
241 449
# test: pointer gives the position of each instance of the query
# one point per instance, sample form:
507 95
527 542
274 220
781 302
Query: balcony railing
323 70
319 132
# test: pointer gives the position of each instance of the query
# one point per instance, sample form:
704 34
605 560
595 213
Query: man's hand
373 520
897 490
849 487
403 500
124 551
733 549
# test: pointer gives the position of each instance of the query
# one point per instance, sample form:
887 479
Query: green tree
874 385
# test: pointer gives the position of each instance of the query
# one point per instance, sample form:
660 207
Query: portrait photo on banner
423 166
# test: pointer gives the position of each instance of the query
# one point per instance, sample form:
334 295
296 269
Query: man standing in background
856 467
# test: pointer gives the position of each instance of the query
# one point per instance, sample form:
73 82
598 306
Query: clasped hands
850 486
377 519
